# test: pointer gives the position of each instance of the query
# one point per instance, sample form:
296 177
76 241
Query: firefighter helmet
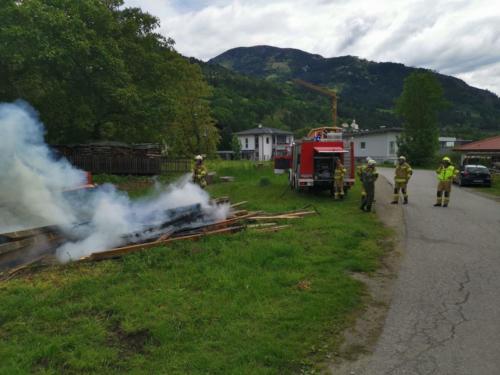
402 158
372 162
446 158
198 157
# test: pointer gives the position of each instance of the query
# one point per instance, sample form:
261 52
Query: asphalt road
444 317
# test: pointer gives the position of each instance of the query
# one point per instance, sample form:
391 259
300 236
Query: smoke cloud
36 190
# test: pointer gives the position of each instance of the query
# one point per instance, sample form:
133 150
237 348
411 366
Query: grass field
248 303
495 186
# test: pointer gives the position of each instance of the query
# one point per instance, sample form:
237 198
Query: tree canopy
98 71
419 106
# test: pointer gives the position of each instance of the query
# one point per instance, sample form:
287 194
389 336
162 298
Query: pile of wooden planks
237 221
21 249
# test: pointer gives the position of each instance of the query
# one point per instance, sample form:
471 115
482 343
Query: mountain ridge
367 89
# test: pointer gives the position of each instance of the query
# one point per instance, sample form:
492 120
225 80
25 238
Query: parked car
472 174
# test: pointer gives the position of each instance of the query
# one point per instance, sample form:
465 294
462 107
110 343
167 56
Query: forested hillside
240 102
367 90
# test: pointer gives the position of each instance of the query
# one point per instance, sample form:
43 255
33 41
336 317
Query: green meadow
245 303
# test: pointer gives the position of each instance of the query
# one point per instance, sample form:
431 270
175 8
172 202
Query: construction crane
321 90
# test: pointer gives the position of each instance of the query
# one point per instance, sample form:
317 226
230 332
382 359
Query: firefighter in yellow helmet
199 172
359 172
402 175
445 174
338 179
368 177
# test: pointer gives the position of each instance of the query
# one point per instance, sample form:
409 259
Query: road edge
359 341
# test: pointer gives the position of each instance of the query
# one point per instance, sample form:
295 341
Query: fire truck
314 160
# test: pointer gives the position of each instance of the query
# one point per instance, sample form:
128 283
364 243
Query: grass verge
495 186
249 303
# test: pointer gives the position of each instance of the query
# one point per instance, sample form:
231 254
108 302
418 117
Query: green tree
98 71
194 131
236 147
419 106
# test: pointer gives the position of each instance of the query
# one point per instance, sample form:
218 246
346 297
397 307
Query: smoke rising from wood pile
37 189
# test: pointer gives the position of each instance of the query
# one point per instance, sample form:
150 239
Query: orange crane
321 90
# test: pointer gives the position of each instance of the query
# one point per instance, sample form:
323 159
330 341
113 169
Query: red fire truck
314 160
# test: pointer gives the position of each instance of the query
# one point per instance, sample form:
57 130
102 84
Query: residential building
447 144
263 143
485 151
379 144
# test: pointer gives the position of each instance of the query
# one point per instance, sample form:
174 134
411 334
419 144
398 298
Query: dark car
474 175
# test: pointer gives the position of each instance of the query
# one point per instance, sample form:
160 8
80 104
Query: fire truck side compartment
313 163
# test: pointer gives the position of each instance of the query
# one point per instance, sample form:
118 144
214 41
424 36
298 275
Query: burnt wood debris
22 249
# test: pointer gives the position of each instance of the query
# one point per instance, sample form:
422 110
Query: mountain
366 89
241 102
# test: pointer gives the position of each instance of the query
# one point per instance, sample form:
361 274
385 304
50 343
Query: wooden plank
261 225
35 247
291 213
27 243
29 232
16 245
280 217
218 225
239 204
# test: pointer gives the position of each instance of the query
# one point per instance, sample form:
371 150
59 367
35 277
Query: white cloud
457 37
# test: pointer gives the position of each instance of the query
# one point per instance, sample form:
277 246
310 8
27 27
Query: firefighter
445 174
368 177
359 172
402 175
338 179
199 172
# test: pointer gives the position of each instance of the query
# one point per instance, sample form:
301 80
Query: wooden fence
129 165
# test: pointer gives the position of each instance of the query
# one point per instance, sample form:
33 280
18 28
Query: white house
263 143
447 144
379 144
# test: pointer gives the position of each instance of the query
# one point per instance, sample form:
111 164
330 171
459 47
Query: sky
455 37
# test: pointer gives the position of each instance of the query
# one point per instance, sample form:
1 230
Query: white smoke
31 180
32 192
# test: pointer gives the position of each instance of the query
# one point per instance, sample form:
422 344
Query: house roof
263 130
363 133
483 145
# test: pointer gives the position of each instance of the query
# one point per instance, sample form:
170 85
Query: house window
362 145
281 139
392 147
267 140
246 142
